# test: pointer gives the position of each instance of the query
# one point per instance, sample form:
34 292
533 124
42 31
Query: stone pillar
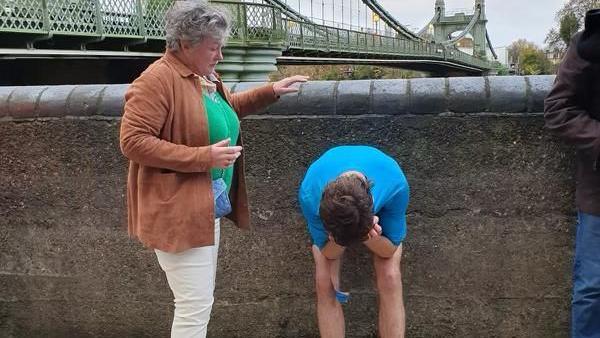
248 64
232 65
258 63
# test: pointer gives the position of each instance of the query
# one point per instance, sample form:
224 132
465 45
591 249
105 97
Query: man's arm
320 238
378 244
332 250
381 246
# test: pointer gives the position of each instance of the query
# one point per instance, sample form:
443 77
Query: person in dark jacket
572 111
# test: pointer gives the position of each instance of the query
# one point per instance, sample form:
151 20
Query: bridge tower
440 7
475 24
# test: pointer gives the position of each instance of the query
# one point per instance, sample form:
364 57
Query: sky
508 20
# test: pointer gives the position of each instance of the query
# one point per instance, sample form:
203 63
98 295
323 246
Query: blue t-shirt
389 189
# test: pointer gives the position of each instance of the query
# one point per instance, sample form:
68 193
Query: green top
223 123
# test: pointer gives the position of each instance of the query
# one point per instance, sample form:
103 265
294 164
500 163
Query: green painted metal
446 25
23 16
255 25
324 39
247 64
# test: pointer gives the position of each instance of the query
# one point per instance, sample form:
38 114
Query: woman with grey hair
181 133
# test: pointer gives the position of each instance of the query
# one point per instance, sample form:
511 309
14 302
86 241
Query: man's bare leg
391 304
329 311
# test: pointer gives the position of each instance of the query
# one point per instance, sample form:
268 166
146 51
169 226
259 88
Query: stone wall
490 221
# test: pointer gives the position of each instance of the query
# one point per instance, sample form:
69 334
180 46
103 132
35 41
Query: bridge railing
113 18
312 36
135 21
127 19
254 23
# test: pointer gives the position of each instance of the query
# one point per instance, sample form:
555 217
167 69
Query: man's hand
222 155
284 86
378 244
376 230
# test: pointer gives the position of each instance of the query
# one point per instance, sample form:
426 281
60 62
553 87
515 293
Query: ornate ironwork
254 24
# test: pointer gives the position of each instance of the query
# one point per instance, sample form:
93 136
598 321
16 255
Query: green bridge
263 35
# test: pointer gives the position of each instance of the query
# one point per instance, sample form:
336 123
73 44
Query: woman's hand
284 86
222 155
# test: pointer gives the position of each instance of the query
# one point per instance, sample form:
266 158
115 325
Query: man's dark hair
346 209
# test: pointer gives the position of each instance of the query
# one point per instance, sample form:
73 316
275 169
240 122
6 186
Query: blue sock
342 297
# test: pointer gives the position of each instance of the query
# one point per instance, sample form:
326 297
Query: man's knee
389 279
324 287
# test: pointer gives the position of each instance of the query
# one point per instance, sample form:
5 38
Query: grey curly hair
195 20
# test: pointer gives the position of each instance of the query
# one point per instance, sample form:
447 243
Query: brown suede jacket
572 111
164 134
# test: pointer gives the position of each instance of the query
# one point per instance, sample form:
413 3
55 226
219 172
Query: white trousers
191 276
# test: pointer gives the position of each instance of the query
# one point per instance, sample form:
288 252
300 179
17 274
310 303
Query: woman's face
202 58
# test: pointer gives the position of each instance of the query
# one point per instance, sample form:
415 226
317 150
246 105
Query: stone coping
462 95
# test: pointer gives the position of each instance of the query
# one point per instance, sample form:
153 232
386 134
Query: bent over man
356 194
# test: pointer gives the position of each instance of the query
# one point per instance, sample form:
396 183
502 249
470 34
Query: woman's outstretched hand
286 86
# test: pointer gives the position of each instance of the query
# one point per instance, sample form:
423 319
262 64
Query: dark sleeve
564 110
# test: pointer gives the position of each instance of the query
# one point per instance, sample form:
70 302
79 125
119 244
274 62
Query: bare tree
570 18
